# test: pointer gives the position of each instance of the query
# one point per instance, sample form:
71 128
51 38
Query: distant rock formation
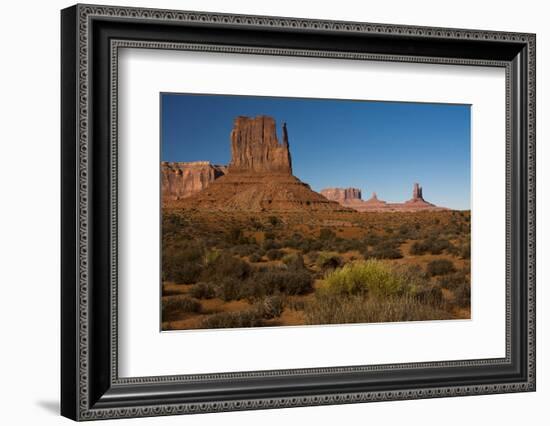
417 201
342 195
259 176
373 204
183 179
255 147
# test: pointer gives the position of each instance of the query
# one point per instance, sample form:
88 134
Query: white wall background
29 213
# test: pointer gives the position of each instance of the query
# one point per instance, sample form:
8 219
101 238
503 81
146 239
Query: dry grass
361 309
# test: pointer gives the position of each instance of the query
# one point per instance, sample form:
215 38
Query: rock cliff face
259 176
373 204
255 147
183 179
342 195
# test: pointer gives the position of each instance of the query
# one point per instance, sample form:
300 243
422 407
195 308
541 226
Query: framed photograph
263 212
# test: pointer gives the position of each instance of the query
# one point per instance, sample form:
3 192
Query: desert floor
223 269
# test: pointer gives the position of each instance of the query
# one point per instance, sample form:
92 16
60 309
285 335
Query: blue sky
375 146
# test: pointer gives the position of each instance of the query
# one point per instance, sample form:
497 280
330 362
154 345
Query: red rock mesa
259 176
180 180
342 195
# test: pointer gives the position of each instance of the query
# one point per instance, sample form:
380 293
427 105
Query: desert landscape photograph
299 212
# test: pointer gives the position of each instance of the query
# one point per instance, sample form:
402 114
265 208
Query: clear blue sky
375 146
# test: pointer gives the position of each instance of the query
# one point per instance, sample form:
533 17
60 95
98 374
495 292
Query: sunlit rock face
255 147
183 179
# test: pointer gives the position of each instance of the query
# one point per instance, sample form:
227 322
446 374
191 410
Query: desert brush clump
255 258
462 294
384 250
203 290
374 291
274 254
371 277
229 288
453 280
327 260
175 305
225 265
271 306
247 318
432 245
294 261
282 280
440 267
182 263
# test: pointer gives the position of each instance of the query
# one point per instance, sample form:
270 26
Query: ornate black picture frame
91 36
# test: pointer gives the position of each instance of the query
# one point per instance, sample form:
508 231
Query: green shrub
249 318
462 295
244 249
372 239
312 256
298 282
236 236
203 291
181 271
387 250
255 224
328 260
294 261
343 245
182 263
465 251
173 225
211 257
225 265
274 254
273 220
453 250
430 245
174 305
269 235
270 244
454 280
316 244
294 242
404 229
273 280
271 306
326 234
440 267
229 288
254 258
370 277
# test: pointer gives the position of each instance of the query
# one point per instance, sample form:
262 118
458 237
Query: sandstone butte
258 178
351 197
